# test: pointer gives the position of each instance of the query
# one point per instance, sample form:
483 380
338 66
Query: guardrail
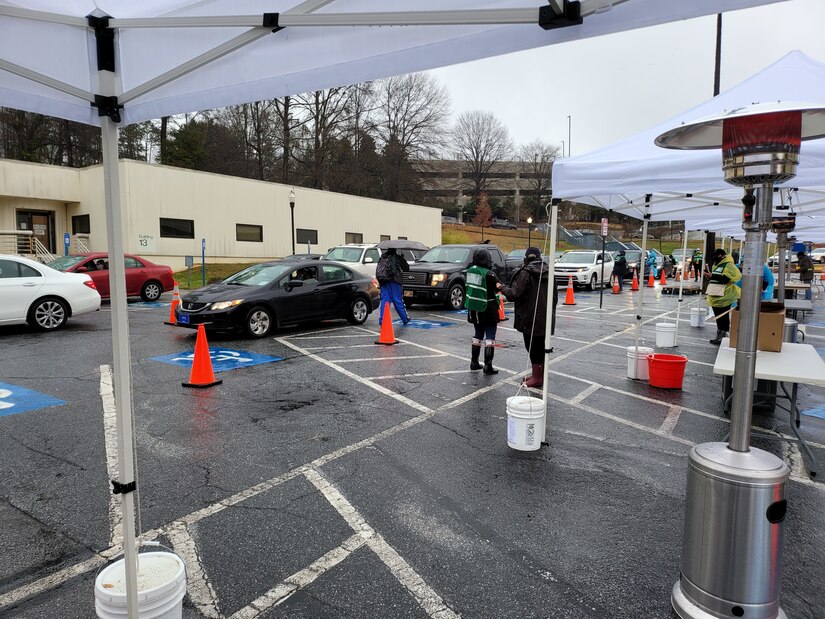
24 243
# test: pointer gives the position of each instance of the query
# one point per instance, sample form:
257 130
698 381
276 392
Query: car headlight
438 278
225 304
581 270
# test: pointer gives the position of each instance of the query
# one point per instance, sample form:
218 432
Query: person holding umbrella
388 272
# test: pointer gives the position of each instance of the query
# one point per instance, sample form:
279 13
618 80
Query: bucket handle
118 556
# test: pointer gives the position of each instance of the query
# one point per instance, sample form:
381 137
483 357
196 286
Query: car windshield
517 253
681 253
632 256
456 255
344 254
258 274
66 262
577 257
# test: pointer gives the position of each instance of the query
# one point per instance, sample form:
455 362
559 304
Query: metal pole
745 368
601 280
569 139
704 261
781 245
681 284
551 284
292 218
121 356
639 307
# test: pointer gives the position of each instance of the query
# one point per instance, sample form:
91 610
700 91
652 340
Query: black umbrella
402 244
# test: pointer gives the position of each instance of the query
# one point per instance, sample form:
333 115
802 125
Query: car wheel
594 282
48 314
822 260
408 304
358 311
455 297
259 322
151 291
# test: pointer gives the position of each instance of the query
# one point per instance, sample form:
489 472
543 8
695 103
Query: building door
40 223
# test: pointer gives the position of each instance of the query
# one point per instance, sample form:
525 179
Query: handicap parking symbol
417 323
14 400
223 359
149 304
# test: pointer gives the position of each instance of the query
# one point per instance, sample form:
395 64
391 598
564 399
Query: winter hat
533 251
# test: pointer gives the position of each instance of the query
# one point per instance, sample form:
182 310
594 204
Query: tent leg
548 324
122 361
641 297
681 286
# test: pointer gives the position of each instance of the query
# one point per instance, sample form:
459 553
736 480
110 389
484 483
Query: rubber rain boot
475 353
718 339
489 353
537 379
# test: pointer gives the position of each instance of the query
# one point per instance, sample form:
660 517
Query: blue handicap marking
815 412
223 359
461 311
14 399
417 323
149 304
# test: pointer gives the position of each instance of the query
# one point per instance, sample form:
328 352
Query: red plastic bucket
666 371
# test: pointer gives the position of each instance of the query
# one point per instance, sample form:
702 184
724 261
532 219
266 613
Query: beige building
168 211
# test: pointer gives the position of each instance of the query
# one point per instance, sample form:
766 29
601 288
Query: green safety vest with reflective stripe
476 289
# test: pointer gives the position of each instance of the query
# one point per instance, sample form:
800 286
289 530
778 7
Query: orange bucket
666 371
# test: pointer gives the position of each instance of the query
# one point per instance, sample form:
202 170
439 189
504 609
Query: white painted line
409 375
428 599
394 358
589 391
671 420
300 580
327 337
107 395
348 346
200 590
299 336
593 437
50 582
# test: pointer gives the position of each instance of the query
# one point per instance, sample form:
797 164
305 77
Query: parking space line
671 420
110 433
419 374
348 346
51 581
394 358
584 394
427 598
299 580
200 590
326 337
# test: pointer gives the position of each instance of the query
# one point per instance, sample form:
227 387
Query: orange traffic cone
616 285
822 277
634 286
387 335
569 299
651 281
501 314
663 279
175 302
692 274
201 375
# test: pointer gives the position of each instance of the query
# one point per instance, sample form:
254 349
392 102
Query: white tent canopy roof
689 185
177 56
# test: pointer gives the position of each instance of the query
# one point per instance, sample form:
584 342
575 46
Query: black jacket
620 265
529 293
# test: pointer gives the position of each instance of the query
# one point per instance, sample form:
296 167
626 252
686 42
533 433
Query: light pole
735 505
529 230
292 216
569 141
562 148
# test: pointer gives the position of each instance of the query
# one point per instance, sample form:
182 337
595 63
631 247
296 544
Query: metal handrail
41 252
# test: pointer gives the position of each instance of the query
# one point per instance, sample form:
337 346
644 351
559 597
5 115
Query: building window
385 237
306 236
353 237
80 224
249 232
177 228
402 238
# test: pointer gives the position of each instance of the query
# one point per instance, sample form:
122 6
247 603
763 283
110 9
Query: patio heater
735 503
781 226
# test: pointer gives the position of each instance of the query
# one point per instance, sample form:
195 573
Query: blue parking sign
223 359
14 399
417 323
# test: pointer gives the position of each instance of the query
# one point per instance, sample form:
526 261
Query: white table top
796 363
799 304
796 285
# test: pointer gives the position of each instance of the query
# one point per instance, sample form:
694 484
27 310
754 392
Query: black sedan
265 296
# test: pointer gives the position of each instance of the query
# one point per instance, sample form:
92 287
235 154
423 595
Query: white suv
357 256
818 255
585 266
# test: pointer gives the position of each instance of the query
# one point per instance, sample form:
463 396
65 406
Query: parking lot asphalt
338 478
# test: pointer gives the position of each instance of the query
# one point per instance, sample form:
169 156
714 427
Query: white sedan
41 296
818 255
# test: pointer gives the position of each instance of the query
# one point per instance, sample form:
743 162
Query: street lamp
529 230
292 216
735 505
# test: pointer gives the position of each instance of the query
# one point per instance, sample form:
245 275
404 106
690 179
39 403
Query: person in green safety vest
696 260
482 309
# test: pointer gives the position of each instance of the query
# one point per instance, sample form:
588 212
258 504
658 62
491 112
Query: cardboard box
771 326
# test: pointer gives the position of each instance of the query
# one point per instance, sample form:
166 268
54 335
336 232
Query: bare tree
480 140
538 158
325 113
255 124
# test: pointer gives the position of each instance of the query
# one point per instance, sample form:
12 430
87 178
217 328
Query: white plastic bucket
161 581
525 422
697 316
665 335
637 362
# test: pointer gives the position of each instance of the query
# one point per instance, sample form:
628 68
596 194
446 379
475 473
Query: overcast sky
617 85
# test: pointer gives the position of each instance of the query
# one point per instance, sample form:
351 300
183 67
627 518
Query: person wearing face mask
722 291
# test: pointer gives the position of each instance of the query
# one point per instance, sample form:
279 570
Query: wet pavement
346 479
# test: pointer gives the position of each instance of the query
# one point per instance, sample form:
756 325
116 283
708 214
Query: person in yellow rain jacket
722 273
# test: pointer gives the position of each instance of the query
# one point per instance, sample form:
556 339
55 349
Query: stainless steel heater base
688 610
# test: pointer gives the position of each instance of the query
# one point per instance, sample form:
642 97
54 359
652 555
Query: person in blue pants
388 272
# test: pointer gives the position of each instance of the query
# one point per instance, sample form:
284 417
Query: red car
143 278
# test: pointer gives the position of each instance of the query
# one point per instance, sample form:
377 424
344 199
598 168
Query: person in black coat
528 290
620 267
485 321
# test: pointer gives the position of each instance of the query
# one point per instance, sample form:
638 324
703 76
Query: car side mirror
368 260
293 283
81 270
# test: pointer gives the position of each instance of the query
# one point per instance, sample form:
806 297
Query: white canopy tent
110 61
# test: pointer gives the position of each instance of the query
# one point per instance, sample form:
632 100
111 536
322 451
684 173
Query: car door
499 265
337 289
136 274
298 295
19 286
98 270
370 261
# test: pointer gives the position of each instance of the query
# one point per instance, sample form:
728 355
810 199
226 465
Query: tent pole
642 260
704 261
781 247
681 285
551 284
122 362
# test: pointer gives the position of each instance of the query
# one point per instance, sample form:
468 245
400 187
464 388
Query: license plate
408 293
183 319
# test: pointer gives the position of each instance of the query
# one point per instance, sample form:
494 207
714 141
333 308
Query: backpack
385 270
